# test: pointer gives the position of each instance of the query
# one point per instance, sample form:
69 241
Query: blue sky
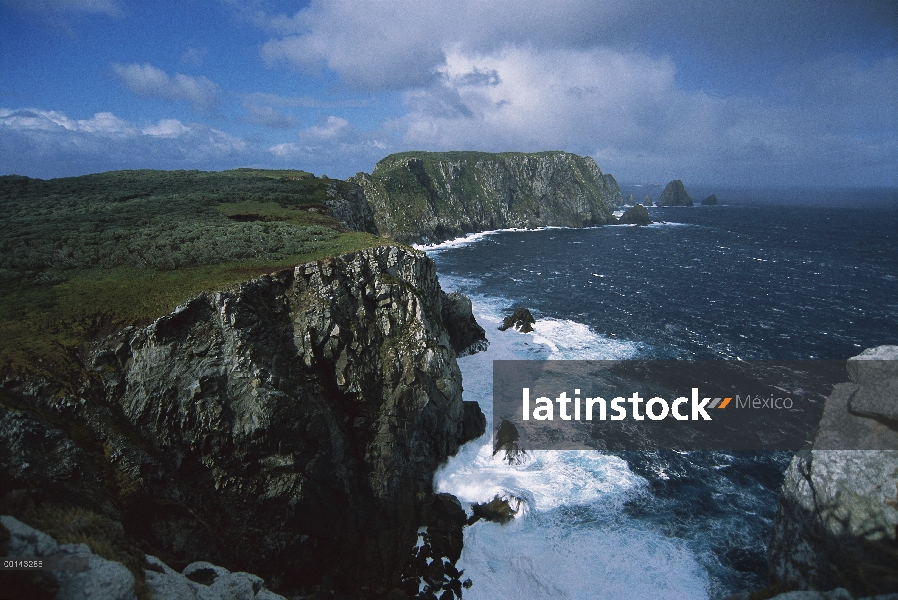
725 93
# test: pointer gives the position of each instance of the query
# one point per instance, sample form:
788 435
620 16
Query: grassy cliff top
461 155
80 256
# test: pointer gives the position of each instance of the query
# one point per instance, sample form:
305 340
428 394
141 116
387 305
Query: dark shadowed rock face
675 195
710 200
288 427
521 320
465 335
637 215
837 521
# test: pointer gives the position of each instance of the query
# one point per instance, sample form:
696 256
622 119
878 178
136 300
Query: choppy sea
739 281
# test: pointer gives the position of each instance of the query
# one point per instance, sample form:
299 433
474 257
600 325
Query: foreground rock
465 334
675 195
289 426
427 197
710 200
837 522
110 580
521 320
637 215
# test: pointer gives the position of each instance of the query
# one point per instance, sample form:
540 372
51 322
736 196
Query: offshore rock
425 197
521 320
465 334
289 426
637 215
837 521
631 201
710 200
675 195
648 201
498 510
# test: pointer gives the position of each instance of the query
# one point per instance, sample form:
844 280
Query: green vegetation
85 255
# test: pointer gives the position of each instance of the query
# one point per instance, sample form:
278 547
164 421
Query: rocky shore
288 427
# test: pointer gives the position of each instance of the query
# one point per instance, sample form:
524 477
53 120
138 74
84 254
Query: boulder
710 200
675 195
637 215
521 320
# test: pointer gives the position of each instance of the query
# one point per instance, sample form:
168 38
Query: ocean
740 281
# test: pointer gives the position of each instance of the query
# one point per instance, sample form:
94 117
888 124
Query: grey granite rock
837 521
103 580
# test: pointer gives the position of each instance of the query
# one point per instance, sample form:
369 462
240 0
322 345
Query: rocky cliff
289 426
837 522
423 197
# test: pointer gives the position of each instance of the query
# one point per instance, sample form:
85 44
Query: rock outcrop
289 426
423 197
110 580
637 215
465 334
648 201
520 319
631 201
710 200
837 521
346 202
675 195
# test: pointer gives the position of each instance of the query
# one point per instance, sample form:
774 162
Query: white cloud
170 128
332 129
47 143
194 56
147 80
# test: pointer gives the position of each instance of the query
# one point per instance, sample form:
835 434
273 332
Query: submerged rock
675 195
637 215
521 320
837 522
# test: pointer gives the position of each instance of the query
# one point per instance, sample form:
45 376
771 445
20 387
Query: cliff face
288 427
430 197
837 522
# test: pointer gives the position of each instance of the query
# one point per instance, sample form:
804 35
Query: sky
761 93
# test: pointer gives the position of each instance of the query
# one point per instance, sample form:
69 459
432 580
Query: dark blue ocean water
749 282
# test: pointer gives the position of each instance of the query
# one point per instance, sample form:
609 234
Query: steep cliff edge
289 426
837 522
424 197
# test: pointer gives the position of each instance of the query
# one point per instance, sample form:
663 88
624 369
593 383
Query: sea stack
648 201
631 201
710 200
637 215
675 195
